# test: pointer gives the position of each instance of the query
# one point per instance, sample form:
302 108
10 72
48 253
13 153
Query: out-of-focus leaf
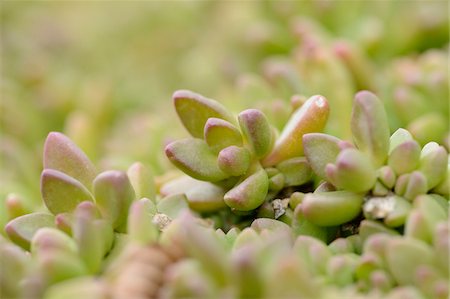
370 127
22 229
142 181
60 153
114 194
62 193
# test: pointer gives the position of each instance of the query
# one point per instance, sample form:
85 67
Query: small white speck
320 102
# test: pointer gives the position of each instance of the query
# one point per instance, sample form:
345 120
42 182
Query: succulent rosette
244 161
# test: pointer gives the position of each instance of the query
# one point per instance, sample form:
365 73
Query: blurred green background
103 72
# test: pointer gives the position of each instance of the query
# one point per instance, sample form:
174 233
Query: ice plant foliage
257 213
243 154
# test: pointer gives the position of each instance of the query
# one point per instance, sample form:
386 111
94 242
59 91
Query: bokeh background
103 72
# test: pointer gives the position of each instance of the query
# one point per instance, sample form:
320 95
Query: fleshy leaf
368 228
429 127
64 222
405 157
142 181
62 154
140 226
320 149
432 213
16 261
443 187
89 239
404 256
398 137
256 131
387 176
172 205
272 225
62 193
113 194
417 184
250 193
219 134
370 127
49 238
310 117
417 227
234 160
277 182
433 163
58 266
314 252
194 158
22 229
400 212
296 171
201 196
353 171
194 110
83 287
331 208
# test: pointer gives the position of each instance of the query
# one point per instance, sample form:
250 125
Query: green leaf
83 287
194 158
404 256
140 227
113 194
60 153
22 229
398 137
405 157
58 266
417 184
397 217
320 149
49 238
296 171
142 181
234 160
256 131
250 193
368 228
352 171
173 205
194 110
433 163
370 127
272 225
310 117
220 134
201 196
331 208
387 176
17 262
90 240
62 193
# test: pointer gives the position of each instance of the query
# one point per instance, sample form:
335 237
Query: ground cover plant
306 155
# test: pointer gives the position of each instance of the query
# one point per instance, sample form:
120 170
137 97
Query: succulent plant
316 197
243 157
